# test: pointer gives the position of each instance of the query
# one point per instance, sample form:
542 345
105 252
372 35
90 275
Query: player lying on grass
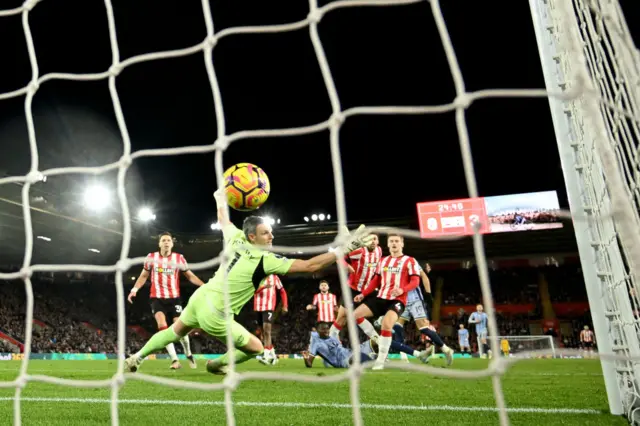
250 265
335 355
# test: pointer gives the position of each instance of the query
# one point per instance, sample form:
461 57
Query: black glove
429 301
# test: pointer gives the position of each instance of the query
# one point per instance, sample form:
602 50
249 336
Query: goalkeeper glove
358 238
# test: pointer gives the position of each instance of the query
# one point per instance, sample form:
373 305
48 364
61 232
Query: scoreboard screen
504 213
453 217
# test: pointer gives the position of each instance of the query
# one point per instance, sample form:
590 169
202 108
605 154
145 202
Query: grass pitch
537 392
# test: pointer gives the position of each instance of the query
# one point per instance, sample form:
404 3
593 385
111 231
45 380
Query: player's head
375 242
395 243
323 330
257 231
165 241
324 286
586 327
461 326
479 308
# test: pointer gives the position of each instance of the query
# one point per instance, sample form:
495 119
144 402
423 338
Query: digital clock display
453 217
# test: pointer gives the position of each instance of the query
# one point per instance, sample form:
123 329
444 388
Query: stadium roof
71 238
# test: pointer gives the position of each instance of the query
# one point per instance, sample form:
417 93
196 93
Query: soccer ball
247 186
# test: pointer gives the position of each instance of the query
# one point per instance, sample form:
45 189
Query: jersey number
398 307
269 315
233 262
178 308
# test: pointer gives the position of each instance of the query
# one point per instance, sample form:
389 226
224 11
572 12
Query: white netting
582 89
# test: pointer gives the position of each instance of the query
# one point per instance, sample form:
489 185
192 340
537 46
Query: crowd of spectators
79 315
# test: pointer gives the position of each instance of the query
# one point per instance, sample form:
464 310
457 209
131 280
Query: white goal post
589 58
519 345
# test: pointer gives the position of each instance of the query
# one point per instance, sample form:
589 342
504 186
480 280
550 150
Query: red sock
162 328
269 347
385 333
335 324
359 321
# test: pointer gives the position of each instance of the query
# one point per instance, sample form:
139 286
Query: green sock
240 357
158 341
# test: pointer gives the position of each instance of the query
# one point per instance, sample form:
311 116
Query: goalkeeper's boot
192 361
448 353
214 366
132 363
175 365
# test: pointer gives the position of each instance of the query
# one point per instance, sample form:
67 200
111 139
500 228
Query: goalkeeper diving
250 264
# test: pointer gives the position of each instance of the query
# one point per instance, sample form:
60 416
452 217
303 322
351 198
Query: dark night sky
378 55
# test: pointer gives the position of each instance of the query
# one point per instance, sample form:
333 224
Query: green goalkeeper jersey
248 267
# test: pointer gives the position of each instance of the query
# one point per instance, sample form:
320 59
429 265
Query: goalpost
589 59
590 67
521 345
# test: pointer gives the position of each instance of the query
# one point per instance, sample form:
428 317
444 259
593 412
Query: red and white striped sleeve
413 268
315 300
148 263
183 262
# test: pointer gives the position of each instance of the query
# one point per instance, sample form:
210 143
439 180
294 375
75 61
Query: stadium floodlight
306 218
321 216
40 237
314 217
145 214
328 217
269 220
94 250
278 221
97 197
215 226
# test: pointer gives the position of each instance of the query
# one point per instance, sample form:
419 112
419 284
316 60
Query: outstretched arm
221 202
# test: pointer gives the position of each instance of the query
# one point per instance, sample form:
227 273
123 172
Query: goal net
591 71
522 346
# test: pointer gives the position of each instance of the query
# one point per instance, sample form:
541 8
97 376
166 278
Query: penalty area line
387 407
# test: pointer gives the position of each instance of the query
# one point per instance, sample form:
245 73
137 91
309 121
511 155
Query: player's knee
253 347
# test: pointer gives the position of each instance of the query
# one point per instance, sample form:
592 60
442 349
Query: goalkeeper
250 264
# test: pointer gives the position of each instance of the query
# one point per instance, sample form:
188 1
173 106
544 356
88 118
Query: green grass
544 384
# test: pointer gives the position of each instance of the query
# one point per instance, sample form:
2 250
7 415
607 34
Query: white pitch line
387 407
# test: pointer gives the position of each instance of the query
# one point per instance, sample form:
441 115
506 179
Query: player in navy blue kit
335 355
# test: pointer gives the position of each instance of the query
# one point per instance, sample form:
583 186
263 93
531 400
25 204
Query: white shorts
482 334
414 310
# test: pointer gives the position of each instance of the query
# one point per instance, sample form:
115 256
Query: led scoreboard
452 217
502 213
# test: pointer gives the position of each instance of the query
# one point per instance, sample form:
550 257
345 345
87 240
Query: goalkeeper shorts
201 313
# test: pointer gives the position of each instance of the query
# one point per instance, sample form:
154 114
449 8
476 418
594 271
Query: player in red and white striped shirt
325 303
163 267
396 276
362 264
264 303
587 339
